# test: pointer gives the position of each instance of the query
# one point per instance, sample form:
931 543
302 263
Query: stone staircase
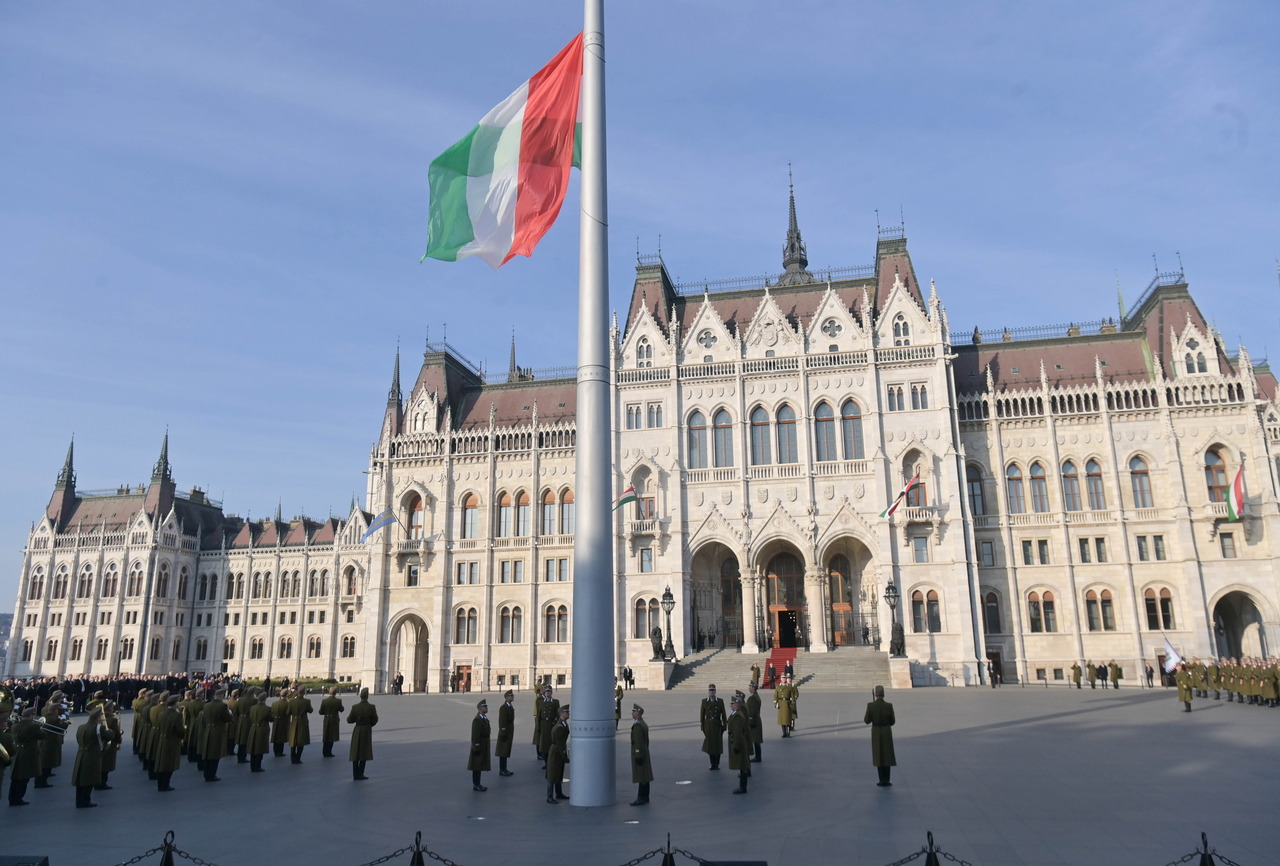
853 668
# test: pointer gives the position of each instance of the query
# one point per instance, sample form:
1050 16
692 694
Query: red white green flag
1235 496
902 497
496 192
628 495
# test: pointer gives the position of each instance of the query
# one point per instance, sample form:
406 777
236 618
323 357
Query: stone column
819 616
750 640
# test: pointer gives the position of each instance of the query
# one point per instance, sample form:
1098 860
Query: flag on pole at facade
495 193
628 495
386 518
914 482
1172 659
1235 496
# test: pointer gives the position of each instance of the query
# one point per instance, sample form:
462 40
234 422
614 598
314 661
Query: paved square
1008 776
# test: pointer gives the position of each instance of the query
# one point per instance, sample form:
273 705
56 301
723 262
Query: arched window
787 451
60 581
314 647
1070 486
1201 366
1190 362
297 584
1140 483
566 513
324 582
851 430
110 581
647 617
973 483
256 648
228 649
761 452
556 624
84 586
470 516
991 613
286 648
1215 476
239 584
126 649
417 516
202 649
349 646
101 650
162 581
134 588
1013 489
213 587
1039 489
644 353
918 495
1093 483
349 580
1092 617
925 614
547 519
184 579
1035 614
901 331
154 655
522 513
697 441
35 589
723 455
177 649
1159 609
77 649
824 433
512 625
266 584
506 515
257 584
1100 611
464 625
51 650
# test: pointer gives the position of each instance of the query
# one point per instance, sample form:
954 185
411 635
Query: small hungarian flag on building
496 192
386 518
628 495
914 482
1235 496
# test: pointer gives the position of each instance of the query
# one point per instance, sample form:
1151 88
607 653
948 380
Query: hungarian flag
914 482
628 495
496 192
1235 496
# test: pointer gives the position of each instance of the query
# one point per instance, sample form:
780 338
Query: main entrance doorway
1237 625
785 587
408 653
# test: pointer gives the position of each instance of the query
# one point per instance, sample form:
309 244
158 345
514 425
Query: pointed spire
67 477
513 372
352 509
1120 299
393 394
162 472
279 511
795 256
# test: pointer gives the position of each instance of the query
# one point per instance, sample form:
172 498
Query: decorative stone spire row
795 257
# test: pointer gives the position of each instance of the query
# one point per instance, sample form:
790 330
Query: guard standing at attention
756 724
299 725
711 719
506 732
478 762
364 716
87 771
259 732
641 768
880 717
331 712
739 741
557 757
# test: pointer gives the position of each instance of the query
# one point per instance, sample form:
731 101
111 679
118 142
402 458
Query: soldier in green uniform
557 757
1213 678
299 725
169 730
782 703
755 673
280 723
247 702
51 745
364 716
112 736
158 704
1091 673
233 704
752 707
506 732
86 773
537 721
216 718
195 725
1075 673
135 731
880 717
641 768
27 735
549 717
1115 672
1185 691
739 741
711 720
259 732
8 746
617 703
331 712
478 760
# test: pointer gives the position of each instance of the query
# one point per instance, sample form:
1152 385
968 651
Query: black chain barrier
933 855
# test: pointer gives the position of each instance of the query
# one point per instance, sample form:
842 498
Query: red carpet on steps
778 661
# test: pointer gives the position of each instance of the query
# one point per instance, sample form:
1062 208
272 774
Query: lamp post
896 641
668 604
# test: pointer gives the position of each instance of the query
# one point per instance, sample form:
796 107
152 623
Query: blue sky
211 214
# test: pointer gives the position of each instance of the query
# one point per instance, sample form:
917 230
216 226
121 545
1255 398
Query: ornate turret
161 490
63 500
67 477
795 257
393 420
161 471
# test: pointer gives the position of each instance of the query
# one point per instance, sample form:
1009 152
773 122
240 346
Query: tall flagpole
593 616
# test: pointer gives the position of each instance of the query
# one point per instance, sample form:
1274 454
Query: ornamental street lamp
897 641
668 604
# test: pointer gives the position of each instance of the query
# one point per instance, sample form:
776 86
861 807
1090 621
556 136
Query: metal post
668 604
593 615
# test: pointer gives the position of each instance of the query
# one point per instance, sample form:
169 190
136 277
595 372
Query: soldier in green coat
111 738
259 732
169 730
51 746
753 719
87 771
8 746
1213 678
193 708
27 735
1115 671
557 757
478 760
1075 673
280 723
1091 672
880 717
783 702
1185 691
641 768
299 725
549 715
711 720
364 716
246 704
216 719
740 745
506 732
331 712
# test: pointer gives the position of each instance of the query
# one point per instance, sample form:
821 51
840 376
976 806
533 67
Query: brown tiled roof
557 401
1017 364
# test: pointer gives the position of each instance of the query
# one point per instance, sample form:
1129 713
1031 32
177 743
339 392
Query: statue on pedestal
656 637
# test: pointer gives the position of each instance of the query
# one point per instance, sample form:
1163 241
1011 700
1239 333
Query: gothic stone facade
1071 505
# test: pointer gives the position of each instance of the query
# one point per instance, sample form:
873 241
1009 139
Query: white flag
1172 659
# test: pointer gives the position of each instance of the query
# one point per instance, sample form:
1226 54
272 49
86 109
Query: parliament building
1074 503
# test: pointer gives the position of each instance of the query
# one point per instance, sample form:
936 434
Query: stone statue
898 643
656 637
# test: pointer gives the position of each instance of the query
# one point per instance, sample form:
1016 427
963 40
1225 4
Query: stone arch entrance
851 590
408 653
786 608
1238 628
716 602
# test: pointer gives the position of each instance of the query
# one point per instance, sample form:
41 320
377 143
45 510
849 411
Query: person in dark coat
331 712
740 745
86 774
259 738
27 735
506 732
711 720
280 723
478 761
364 716
1183 679
216 718
168 732
880 717
548 718
641 768
557 757
299 725
752 707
